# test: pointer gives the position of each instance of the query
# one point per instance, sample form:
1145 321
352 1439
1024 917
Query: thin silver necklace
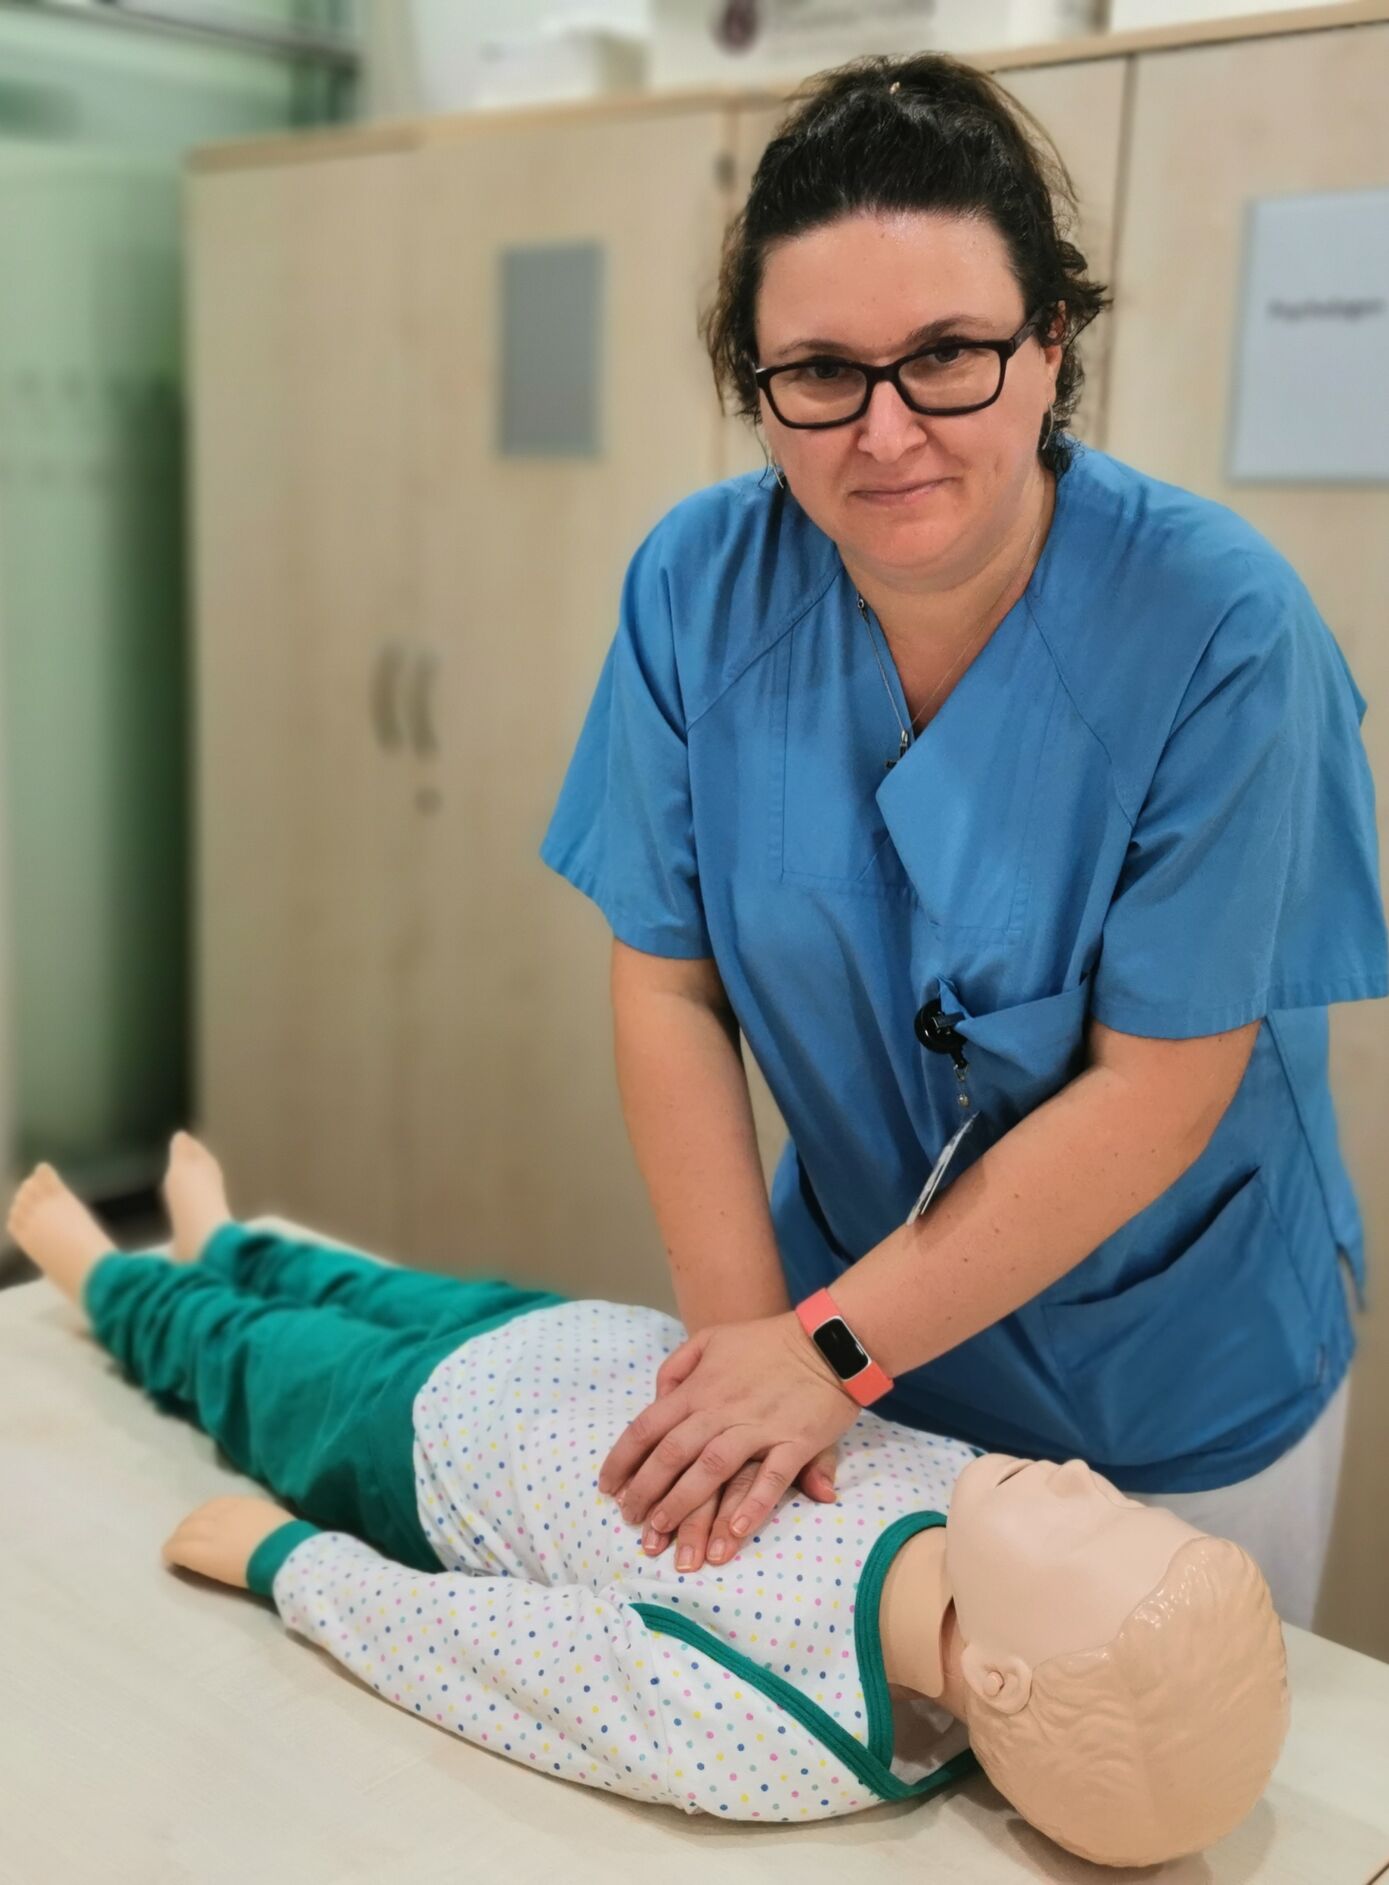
909 731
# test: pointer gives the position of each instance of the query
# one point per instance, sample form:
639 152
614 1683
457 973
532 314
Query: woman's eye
947 355
818 372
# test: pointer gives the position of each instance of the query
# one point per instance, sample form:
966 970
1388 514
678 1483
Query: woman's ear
1003 1682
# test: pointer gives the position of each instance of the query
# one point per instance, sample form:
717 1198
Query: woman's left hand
731 1393
219 1538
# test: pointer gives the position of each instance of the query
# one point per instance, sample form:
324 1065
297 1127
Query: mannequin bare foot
53 1227
195 1195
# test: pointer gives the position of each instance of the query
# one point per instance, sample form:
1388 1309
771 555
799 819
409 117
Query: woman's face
862 287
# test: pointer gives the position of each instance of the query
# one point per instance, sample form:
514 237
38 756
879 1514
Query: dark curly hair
924 132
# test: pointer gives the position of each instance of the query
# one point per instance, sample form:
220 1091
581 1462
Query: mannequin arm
556 1677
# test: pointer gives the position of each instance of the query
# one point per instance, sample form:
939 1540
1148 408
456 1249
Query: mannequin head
1124 1676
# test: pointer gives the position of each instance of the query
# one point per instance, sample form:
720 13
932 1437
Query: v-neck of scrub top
975 678
970 752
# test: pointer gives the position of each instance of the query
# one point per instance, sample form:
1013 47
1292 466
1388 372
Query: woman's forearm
1063 1179
689 1114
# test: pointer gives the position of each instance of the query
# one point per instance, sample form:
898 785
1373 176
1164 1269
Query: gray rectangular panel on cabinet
551 314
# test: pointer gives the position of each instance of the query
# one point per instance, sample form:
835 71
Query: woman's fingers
816 1477
663 1468
723 1546
636 1440
713 1463
704 1534
693 1536
677 1365
774 1475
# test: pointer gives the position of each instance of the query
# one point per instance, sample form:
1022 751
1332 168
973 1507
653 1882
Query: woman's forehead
875 279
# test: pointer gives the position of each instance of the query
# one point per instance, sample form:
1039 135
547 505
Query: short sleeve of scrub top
1246 886
1146 801
623 832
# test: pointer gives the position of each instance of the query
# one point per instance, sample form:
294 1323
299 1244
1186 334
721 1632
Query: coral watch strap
871 1382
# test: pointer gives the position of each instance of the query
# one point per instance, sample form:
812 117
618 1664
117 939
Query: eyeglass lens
830 389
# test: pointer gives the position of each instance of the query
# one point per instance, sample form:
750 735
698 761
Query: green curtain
95 122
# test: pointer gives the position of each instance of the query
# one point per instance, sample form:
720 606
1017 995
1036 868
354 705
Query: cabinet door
521 1158
304 574
1213 128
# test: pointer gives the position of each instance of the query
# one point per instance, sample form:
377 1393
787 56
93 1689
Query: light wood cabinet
403 1022
304 575
518 1153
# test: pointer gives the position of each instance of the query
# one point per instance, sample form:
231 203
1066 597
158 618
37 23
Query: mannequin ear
1004 1682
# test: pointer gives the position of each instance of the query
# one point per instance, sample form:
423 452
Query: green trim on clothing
873 1763
271 1553
868 1642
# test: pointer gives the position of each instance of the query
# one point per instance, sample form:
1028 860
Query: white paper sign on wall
1311 378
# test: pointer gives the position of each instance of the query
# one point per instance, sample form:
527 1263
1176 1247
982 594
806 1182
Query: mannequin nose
1074 1477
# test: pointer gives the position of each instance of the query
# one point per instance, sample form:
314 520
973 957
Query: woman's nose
890 421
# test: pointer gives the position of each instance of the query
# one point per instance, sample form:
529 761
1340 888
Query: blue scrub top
1146 799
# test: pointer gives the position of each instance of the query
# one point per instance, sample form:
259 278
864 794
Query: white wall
421 55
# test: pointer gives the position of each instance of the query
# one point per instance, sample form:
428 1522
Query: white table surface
156 1727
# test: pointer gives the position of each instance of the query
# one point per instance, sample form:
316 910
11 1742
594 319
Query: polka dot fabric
527 1641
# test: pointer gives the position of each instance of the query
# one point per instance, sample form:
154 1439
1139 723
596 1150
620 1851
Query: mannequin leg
312 1403
304 1271
312 1273
308 1401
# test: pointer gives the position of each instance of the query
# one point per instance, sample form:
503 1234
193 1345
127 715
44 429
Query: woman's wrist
876 1320
703 1307
826 1327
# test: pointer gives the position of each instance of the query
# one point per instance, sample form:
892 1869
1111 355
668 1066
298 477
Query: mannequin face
865 283
1044 1560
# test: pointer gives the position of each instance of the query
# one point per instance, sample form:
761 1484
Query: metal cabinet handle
385 678
422 736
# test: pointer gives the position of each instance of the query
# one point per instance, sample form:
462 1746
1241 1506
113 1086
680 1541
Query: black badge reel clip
937 1032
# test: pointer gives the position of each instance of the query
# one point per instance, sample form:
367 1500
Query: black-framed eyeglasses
953 375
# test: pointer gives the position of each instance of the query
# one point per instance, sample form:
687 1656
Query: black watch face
839 1348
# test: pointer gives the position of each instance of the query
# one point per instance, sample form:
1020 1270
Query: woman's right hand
705 1534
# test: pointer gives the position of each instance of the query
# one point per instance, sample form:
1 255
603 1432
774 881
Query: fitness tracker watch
859 1375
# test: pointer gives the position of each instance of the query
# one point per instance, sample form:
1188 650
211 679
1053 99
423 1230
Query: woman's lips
908 496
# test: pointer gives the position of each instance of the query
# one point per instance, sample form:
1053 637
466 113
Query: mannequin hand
709 1525
219 1538
732 1393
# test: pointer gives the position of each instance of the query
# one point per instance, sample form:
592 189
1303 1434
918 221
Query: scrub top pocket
1185 1357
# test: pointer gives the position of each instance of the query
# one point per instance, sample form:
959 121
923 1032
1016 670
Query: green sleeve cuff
271 1553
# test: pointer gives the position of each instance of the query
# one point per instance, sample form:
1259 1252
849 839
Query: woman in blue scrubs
974 776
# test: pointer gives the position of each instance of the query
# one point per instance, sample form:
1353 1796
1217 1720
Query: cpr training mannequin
1120 1675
